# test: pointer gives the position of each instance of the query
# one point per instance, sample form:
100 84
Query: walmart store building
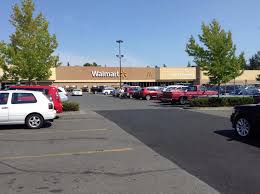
79 77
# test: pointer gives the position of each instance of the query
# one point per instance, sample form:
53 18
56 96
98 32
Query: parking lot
129 146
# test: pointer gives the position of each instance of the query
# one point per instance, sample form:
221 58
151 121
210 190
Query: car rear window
23 98
43 90
4 98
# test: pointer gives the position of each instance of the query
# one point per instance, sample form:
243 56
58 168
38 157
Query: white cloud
130 61
74 59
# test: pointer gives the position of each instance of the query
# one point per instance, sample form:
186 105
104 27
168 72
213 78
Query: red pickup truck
183 96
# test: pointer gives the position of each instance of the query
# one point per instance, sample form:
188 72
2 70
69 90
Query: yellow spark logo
123 74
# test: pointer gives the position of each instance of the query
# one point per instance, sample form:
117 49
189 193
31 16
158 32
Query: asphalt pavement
129 146
201 142
84 152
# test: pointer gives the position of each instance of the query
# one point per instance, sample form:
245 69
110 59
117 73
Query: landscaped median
70 106
221 102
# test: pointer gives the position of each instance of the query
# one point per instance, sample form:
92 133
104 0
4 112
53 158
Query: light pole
120 61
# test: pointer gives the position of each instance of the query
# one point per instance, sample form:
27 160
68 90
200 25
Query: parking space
115 145
87 153
200 141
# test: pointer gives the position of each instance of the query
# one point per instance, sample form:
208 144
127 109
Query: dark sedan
246 119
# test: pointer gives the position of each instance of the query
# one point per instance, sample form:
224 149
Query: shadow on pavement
14 127
232 136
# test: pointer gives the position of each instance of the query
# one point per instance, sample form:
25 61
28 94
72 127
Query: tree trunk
218 89
234 86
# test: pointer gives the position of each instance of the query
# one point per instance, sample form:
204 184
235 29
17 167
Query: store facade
79 77
110 76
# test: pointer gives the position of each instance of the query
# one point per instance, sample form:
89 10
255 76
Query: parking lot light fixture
120 56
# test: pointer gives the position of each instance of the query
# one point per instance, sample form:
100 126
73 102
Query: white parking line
50 132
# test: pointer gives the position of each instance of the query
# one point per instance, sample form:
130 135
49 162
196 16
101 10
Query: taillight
57 96
50 98
50 106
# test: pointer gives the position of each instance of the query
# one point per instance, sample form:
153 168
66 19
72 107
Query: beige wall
53 74
178 74
52 77
248 77
84 74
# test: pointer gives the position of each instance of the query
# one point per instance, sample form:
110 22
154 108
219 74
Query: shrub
225 101
70 106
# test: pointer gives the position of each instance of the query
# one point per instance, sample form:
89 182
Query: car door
21 105
4 108
192 91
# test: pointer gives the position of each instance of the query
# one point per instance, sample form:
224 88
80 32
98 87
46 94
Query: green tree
258 77
254 62
217 54
29 55
94 64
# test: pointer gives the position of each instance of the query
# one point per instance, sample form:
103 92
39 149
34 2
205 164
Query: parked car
97 89
50 91
246 119
25 107
116 92
63 94
249 91
148 93
108 90
169 89
136 93
183 96
77 92
129 91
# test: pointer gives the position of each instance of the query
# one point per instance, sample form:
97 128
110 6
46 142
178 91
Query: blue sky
155 32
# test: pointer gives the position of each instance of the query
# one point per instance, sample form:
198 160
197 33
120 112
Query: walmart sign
104 74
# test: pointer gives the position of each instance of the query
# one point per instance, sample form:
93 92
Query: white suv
108 90
25 107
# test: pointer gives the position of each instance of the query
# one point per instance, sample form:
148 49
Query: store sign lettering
104 74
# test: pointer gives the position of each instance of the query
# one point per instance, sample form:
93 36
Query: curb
69 113
208 108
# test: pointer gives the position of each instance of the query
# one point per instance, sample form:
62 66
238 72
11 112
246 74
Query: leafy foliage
258 77
254 62
29 56
94 64
217 55
70 106
216 102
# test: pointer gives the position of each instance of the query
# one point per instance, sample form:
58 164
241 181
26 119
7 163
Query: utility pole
120 56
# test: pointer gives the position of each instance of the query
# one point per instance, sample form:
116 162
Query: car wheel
106 93
34 121
148 97
183 100
243 127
